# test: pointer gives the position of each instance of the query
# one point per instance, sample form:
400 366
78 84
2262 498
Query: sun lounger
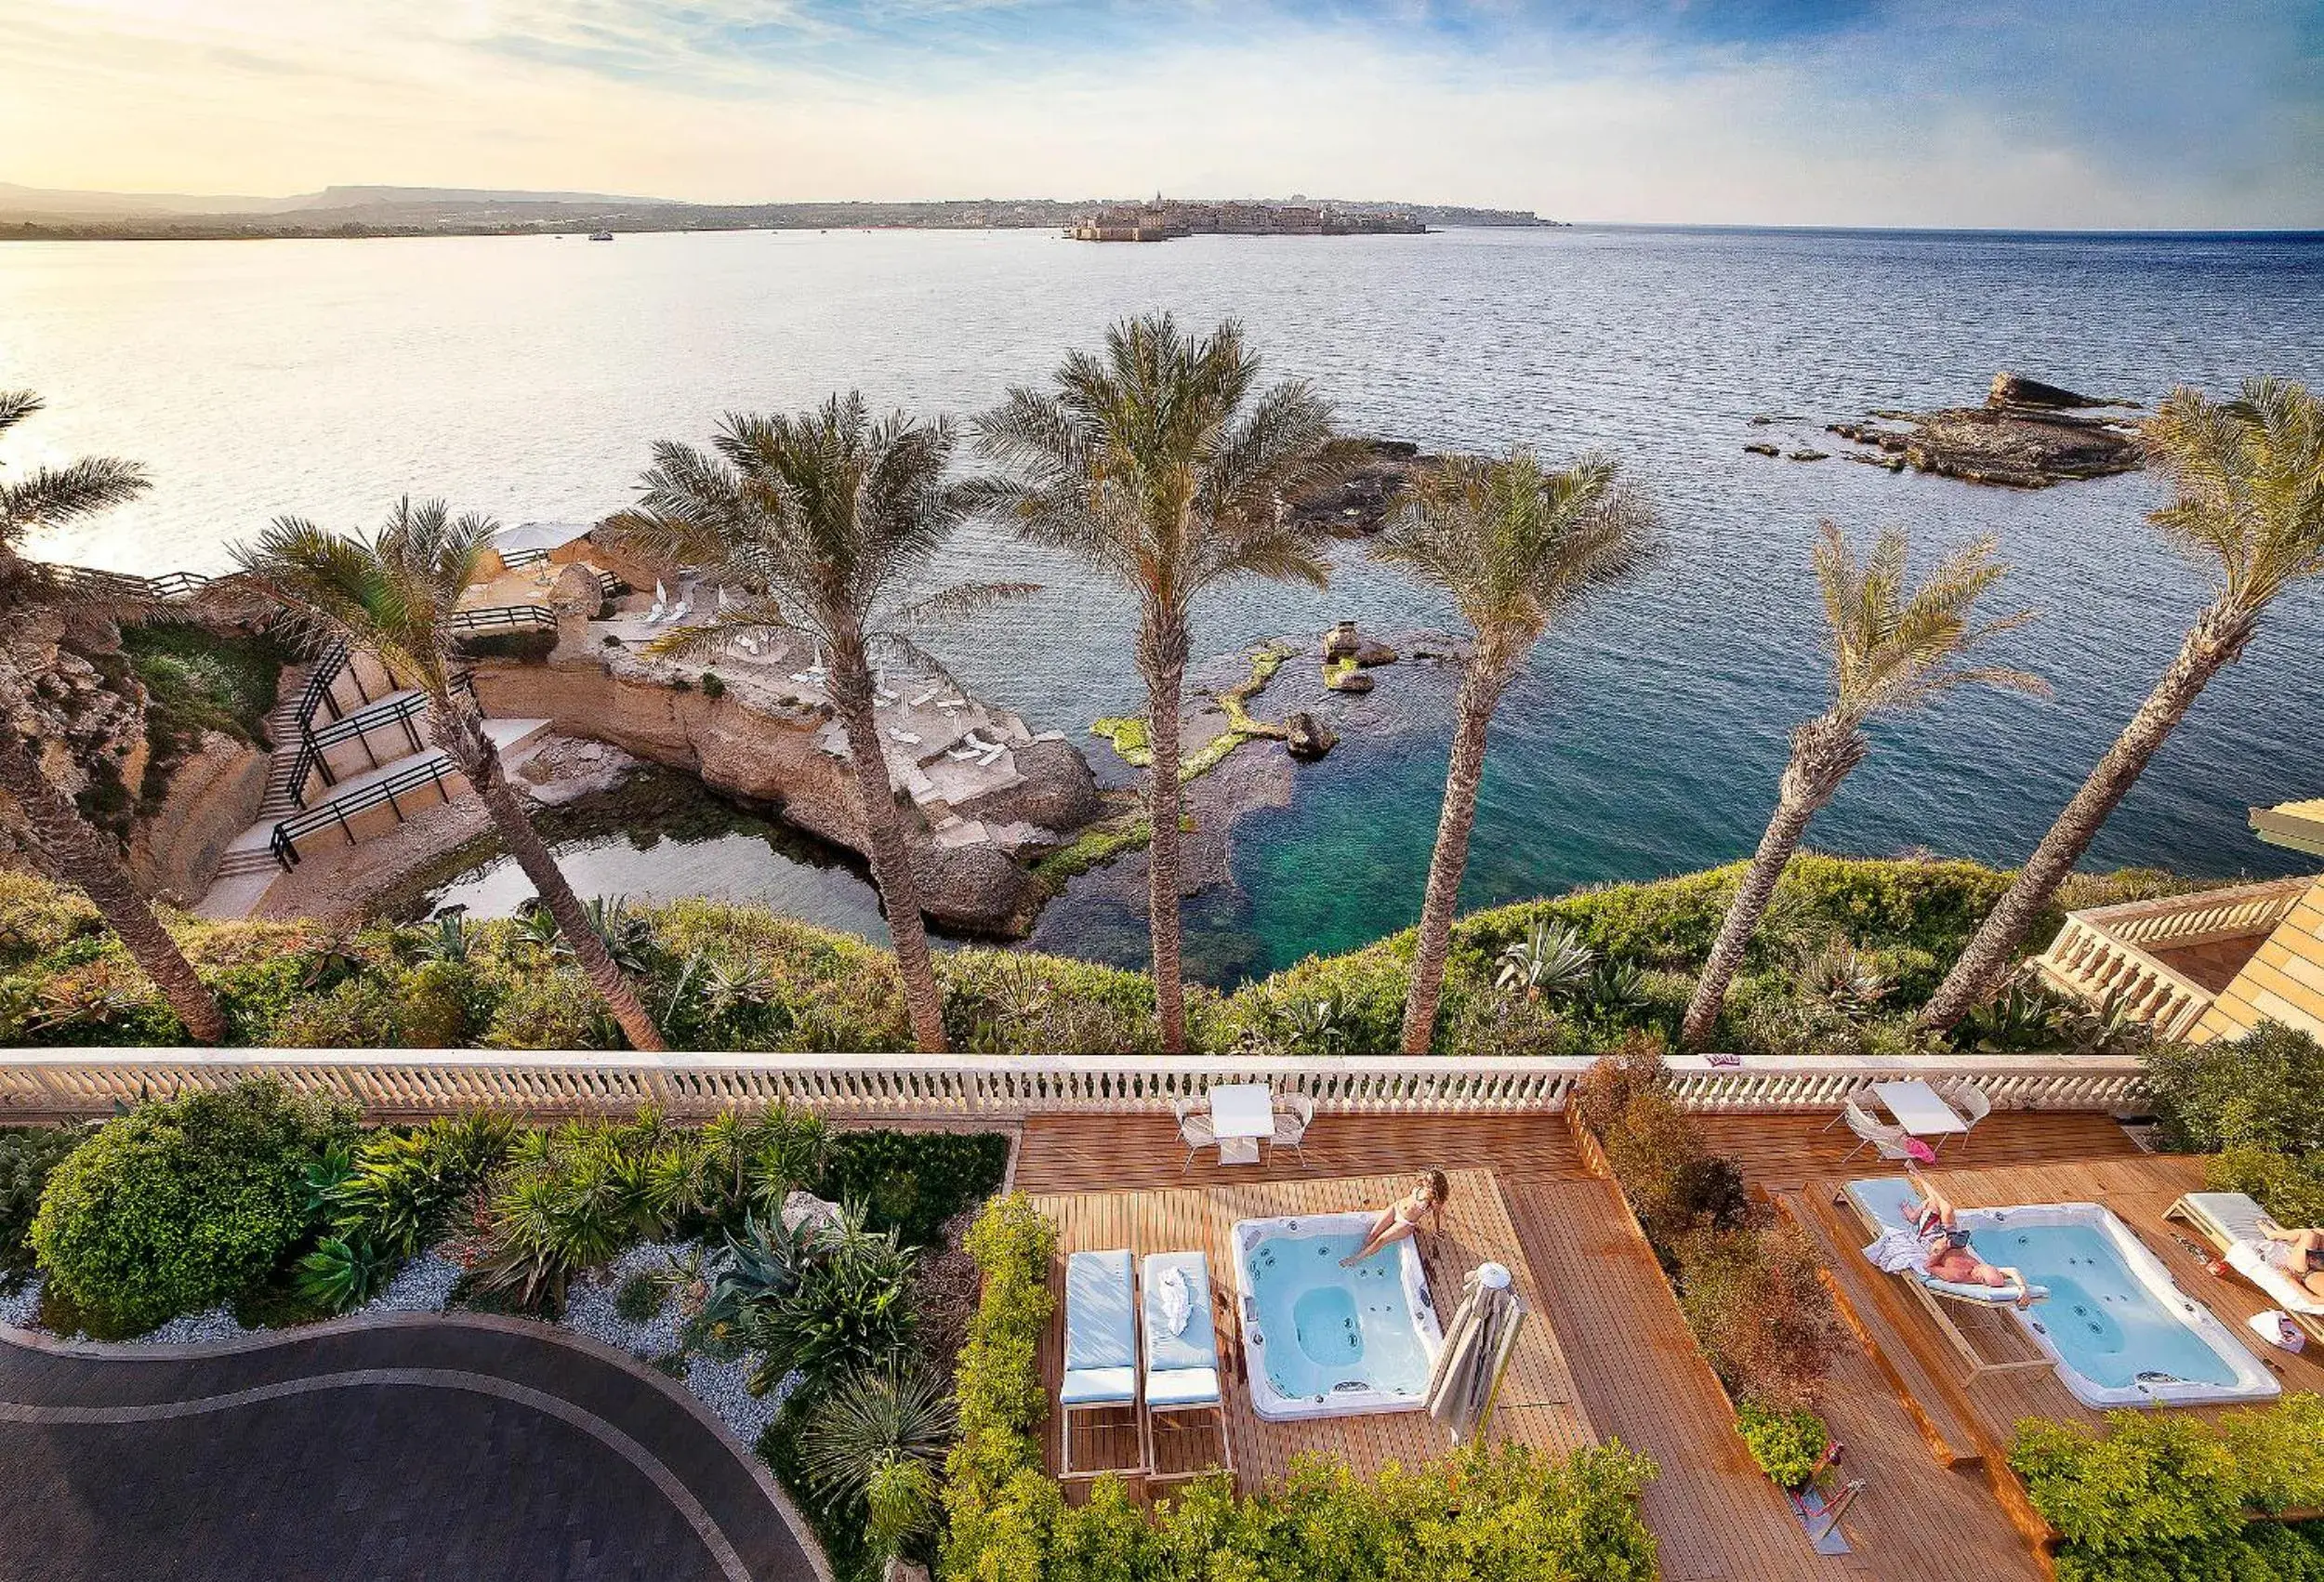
924 699
685 608
990 756
1101 1348
1181 1348
906 737
961 755
2233 1222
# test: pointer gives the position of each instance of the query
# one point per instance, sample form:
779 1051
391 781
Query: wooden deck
1940 1504
1539 1404
2139 1190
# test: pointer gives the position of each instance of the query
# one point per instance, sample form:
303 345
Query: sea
529 377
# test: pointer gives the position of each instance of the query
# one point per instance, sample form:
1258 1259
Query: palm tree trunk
1162 647
891 854
460 733
2214 641
81 856
1823 752
1479 690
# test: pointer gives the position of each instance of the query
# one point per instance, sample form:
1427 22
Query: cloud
2143 112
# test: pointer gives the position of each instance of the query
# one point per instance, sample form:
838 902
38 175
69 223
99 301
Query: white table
1919 1110
1241 1113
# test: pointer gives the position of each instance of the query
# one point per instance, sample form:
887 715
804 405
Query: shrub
713 685
181 1203
640 1298
998 1384
2263 1090
1788 1445
402 1186
874 1442
28 1156
2291 1190
2154 1479
846 1308
913 1182
1759 1311
2279 1453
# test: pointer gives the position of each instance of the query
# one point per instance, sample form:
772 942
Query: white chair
1888 1141
1294 1113
1860 1096
1194 1127
1181 1350
1970 1102
685 608
1101 1348
661 606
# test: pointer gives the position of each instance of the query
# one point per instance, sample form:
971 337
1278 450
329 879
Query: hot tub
2116 1323
1323 1341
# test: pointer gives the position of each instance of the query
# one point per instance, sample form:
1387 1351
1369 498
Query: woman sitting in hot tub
1402 1218
1950 1257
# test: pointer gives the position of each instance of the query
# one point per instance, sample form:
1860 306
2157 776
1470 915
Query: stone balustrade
401 1084
2105 954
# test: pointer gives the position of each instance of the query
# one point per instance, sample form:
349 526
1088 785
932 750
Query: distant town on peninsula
29 213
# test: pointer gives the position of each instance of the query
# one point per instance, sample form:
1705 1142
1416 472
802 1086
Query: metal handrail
283 842
170 585
316 694
502 615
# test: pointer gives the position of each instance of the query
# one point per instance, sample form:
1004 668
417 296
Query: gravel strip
20 1307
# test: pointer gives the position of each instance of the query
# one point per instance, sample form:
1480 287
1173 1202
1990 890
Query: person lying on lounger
1951 1258
2298 1254
1402 1218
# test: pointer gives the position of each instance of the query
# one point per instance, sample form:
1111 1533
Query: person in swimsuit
2298 1254
1951 1258
1402 1218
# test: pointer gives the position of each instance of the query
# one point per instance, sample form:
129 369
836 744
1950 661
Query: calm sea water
528 376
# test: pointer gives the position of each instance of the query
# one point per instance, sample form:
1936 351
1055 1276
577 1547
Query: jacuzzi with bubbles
1324 1341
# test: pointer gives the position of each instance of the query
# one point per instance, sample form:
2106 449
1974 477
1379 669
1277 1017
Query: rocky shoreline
1407 681
2028 435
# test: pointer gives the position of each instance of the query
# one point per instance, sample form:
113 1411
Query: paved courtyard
441 1449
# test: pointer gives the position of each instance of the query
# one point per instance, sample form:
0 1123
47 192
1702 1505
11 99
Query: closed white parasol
1476 1352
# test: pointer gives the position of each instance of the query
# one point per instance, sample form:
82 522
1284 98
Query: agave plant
1313 1026
880 1437
762 1264
319 1185
1843 977
445 939
1615 990
344 1272
1549 964
848 1305
2027 1014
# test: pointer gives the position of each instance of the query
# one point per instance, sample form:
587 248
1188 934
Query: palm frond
48 495
956 603
708 640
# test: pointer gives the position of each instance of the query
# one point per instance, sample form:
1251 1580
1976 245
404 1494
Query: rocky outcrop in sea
2028 435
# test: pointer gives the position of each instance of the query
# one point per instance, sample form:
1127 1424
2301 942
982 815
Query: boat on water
600 236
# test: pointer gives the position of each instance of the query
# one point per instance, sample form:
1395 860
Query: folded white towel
1178 1304
2277 1328
1898 1252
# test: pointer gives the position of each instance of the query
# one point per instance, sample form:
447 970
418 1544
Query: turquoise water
528 378
1327 1327
2106 1325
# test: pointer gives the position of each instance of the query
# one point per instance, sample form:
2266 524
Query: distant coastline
29 213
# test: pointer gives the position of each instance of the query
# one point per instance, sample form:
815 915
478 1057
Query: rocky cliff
751 743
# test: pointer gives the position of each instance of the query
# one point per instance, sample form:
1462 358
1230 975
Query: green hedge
2161 1496
1510 1516
181 1204
739 976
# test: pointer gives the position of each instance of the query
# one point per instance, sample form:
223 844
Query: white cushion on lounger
1098 1387
1195 1345
1101 1331
1182 1387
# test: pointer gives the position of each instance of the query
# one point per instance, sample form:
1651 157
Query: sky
2040 114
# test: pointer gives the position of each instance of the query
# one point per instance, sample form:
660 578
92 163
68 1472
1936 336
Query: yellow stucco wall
2283 983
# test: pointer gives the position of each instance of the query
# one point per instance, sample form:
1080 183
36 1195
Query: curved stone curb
539 1334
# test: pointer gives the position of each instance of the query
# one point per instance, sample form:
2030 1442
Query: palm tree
825 520
1892 646
1515 544
1158 464
66 844
2246 484
393 594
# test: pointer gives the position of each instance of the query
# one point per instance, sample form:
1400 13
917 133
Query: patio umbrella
1476 1352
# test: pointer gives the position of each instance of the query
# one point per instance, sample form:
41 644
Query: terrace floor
1939 1505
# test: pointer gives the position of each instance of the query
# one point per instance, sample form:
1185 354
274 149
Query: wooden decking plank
1643 1383
1111 1152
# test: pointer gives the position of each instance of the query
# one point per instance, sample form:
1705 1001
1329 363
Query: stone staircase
356 775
